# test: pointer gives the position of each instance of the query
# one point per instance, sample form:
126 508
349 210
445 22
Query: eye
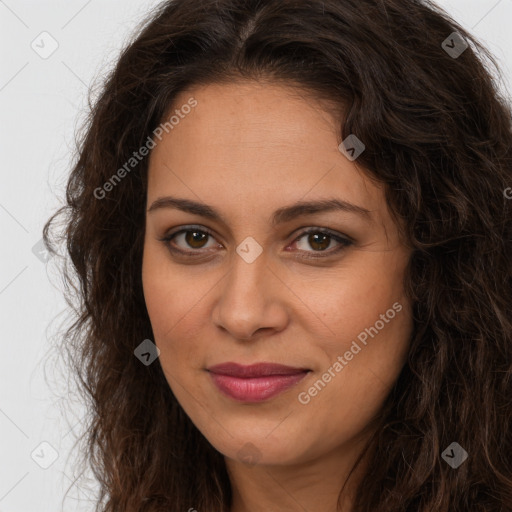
191 237
320 240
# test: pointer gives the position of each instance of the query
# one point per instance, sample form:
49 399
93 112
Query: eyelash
344 242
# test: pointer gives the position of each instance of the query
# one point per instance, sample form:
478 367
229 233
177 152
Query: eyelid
304 230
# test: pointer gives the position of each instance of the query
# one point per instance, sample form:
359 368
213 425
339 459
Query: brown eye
189 241
196 239
320 241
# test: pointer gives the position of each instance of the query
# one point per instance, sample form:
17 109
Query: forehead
257 113
256 144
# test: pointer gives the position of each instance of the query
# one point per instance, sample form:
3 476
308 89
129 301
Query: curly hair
438 135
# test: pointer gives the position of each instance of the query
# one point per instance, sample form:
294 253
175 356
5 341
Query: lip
257 382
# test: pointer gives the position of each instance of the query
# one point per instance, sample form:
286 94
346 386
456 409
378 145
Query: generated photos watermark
108 186
341 361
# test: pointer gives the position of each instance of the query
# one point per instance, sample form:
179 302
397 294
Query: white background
41 103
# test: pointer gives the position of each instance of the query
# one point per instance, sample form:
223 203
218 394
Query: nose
250 298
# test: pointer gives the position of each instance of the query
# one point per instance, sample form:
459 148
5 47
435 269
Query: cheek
172 297
350 299
369 323
347 393
164 302
175 301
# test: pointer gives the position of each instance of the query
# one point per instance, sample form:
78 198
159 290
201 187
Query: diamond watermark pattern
352 147
41 252
147 352
454 45
44 455
249 454
44 45
455 455
249 249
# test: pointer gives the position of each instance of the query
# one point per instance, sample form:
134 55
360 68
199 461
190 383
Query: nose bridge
247 297
246 280
248 266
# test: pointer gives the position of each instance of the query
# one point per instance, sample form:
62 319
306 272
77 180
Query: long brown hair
438 135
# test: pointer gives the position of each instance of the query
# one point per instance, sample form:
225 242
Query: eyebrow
281 215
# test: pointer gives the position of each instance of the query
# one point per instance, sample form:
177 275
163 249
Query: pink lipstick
257 382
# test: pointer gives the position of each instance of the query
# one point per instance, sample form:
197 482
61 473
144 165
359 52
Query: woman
291 233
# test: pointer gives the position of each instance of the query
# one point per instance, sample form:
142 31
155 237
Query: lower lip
256 389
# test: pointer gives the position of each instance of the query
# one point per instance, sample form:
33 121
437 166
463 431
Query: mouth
257 382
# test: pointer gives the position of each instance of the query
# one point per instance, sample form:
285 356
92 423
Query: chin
259 449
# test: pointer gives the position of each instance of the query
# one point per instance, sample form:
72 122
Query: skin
247 149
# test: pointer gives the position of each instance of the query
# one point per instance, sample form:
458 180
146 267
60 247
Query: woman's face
252 287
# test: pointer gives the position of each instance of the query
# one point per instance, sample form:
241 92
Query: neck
309 484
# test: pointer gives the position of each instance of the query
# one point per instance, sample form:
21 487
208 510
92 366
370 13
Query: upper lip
254 370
